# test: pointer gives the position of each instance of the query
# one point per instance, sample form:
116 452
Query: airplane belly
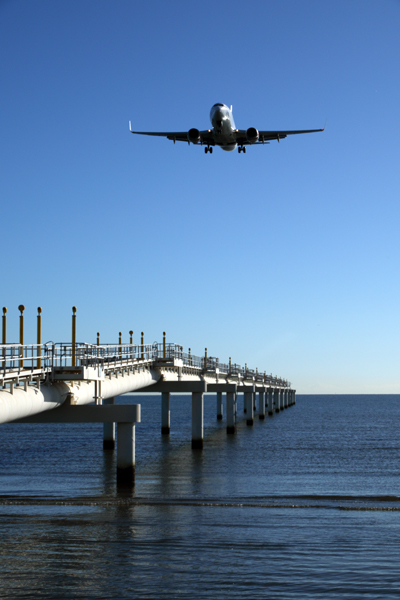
225 140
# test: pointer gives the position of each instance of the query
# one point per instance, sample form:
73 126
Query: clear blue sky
286 258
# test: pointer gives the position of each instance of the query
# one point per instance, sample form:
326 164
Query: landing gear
208 149
242 149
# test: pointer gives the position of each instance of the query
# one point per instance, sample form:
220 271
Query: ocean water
305 504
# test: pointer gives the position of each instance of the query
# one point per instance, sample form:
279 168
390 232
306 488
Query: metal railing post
205 359
120 343
39 338
142 348
4 335
21 308
74 336
164 344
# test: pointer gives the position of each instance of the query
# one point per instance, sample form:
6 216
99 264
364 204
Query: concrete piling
249 407
197 420
230 413
270 402
109 430
276 399
220 409
165 413
261 405
125 452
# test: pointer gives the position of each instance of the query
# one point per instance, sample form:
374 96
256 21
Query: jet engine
252 135
194 136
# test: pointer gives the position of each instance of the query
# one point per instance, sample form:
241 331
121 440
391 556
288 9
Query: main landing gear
208 149
242 149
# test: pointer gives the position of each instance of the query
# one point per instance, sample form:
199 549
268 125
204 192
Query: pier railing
40 360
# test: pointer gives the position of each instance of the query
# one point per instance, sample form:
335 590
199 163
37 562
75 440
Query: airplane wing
177 136
266 136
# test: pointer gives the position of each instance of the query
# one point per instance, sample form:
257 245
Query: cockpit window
219 104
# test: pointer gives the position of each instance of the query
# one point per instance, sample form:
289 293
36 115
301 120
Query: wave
319 501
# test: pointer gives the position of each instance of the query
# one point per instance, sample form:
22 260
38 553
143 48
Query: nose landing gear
208 149
242 149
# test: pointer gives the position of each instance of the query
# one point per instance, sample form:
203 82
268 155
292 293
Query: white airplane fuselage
223 127
224 133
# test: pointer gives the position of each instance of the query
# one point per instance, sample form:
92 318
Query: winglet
130 127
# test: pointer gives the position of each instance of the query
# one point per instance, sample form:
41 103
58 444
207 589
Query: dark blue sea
305 504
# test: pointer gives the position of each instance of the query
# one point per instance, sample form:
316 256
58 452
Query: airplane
224 133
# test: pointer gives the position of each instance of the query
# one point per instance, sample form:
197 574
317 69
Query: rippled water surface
303 505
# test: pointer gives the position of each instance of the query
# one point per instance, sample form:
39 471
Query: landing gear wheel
239 149
206 149
211 150
244 149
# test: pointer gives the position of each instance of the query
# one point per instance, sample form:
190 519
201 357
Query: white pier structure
77 383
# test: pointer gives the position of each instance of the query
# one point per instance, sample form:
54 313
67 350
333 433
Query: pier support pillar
254 401
249 407
276 399
270 401
286 398
261 406
165 413
125 452
197 420
230 412
244 403
109 430
220 410
294 396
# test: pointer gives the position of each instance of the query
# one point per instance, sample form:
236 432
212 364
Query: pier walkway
75 382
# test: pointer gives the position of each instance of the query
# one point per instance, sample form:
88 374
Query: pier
73 382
